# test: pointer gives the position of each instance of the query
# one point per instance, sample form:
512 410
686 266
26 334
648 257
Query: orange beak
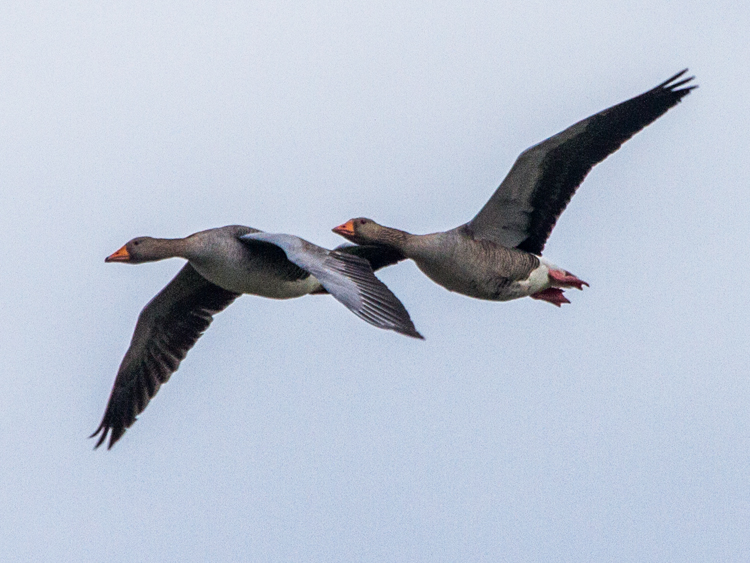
347 229
119 256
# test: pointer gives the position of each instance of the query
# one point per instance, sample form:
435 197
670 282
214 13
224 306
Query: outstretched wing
169 325
349 278
525 208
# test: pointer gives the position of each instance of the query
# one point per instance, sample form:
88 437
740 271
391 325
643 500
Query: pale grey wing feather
168 326
349 279
526 206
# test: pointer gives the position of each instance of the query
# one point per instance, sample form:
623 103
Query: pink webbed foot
563 278
552 295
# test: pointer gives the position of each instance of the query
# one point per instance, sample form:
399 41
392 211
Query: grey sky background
613 429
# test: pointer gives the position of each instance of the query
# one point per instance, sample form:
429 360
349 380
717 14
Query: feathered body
497 255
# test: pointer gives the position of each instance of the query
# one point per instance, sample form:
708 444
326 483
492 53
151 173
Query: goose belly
486 282
260 282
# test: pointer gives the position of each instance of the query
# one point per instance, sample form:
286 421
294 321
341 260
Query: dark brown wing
167 328
525 208
377 255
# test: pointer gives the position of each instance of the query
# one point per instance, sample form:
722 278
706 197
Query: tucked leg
563 278
552 295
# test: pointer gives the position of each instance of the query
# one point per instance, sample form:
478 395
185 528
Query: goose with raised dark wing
497 255
224 263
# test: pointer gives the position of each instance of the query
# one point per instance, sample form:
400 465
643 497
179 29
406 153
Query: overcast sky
613 429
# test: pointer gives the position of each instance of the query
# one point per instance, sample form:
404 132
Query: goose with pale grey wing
224 263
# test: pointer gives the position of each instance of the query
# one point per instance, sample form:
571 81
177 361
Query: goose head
360 230
142 249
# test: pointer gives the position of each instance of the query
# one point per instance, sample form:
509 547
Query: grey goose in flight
497 255
224 263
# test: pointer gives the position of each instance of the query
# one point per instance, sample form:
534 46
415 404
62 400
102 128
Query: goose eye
362 221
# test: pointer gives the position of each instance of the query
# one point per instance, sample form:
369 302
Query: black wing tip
406 327
413 333
672 86
107 430
673 78
101 438
403 325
